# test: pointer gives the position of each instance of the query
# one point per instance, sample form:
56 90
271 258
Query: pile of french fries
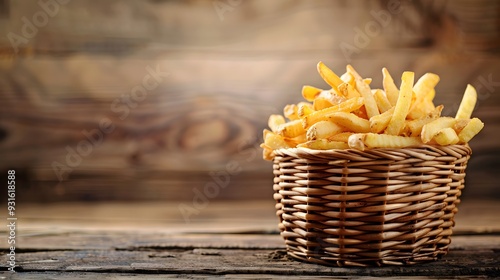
351 115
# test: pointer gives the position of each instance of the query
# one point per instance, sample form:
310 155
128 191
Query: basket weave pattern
376 207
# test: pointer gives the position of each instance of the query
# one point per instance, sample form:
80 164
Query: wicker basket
371 208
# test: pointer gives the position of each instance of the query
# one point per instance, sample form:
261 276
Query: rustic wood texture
226 73
480 262
109 276
57 244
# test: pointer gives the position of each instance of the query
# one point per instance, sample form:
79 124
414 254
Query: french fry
351 115
361 141
342 89
419 109
341 137
373 140
310 92
383 103
430 95
290 112
275 141
446 136
323 144
403 103
291 129
460 124
391 90
348 78
379 122
322 115
267 152
275 121
304 109
350 69
425 84
265 132
348 91
470 130
303 103
366 93
323 129
414 127
321 103
357 141
424 94
328 75
436 112
293 142
361 112
432 128
332 96
468 102
350 121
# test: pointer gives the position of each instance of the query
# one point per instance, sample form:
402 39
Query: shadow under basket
368 208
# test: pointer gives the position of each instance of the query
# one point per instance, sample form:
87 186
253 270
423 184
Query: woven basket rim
458 151
424 146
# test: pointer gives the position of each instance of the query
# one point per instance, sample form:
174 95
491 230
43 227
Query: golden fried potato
351 115
470 130
403 103
468 102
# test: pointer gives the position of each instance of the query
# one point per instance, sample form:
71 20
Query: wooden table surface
236 239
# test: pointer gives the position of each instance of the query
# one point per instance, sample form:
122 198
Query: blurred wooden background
71 73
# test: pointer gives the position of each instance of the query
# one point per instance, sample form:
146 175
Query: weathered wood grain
468 260
226 74
126 276
110 241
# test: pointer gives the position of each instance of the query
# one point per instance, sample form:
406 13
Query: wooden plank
216 247
466 260
131 25
132 275
74 241
116 240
